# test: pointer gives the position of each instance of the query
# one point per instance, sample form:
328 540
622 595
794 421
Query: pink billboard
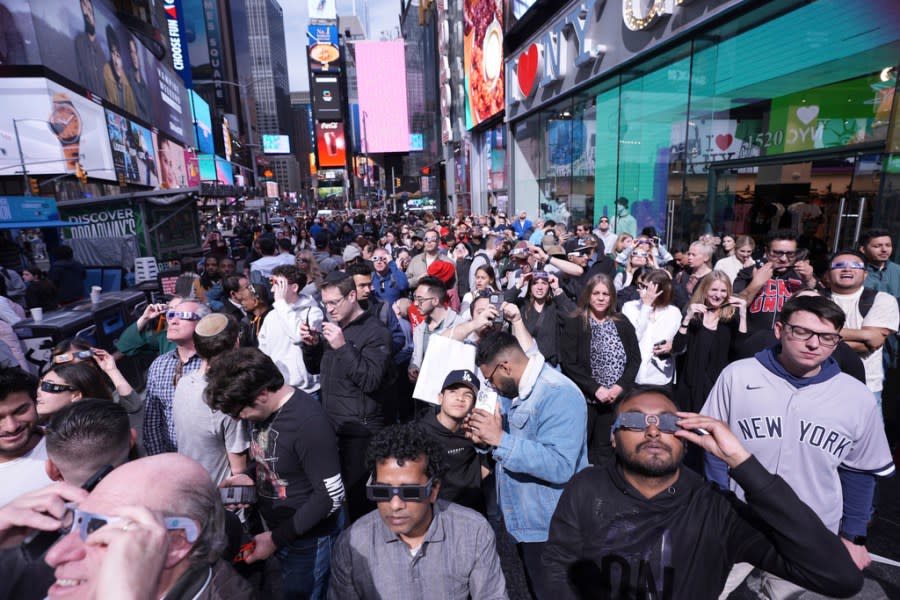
381 80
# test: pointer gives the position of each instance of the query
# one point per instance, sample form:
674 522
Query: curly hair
237 377
408 441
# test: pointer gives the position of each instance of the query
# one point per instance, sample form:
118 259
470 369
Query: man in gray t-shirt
212 438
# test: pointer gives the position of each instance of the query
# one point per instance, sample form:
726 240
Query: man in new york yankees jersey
805 420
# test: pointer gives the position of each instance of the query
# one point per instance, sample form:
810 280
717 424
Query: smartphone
486 401
496 301
238 494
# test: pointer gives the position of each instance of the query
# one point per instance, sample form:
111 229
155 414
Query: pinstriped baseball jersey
803 434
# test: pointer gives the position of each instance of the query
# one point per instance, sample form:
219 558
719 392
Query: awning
38 224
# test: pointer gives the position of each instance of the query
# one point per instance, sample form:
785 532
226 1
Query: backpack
891 344
866 300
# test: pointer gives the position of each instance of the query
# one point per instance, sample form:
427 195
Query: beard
657 467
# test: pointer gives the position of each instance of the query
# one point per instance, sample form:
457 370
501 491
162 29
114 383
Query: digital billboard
381 86
332 151
326 97
202 123
133 153
171 160
324 53
56 129
276 144
483 59
86 43
215 168
325 10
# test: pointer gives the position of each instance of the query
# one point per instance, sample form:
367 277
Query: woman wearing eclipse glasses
78 350
66 383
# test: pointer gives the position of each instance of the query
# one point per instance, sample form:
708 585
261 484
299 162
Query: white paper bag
442 356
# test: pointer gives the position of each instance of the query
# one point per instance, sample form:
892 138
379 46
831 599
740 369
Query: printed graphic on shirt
262 450
334 485
774 294
635 558
816 435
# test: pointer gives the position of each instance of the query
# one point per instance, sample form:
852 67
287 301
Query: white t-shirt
884 313
24 474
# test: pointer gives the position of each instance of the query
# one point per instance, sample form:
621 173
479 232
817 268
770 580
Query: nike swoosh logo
754 387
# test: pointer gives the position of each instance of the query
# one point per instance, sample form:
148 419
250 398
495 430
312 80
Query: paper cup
95 293
37 314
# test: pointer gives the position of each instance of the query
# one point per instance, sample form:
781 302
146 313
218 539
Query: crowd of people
370 407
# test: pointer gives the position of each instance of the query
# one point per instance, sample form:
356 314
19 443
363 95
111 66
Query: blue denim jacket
544 444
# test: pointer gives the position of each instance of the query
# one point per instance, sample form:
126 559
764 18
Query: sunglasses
86 523
378 492
70 356
183 315
55 388
638 421
848 265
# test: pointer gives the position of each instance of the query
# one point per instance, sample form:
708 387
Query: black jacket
461 482
608 541
575 355
356 377
545 326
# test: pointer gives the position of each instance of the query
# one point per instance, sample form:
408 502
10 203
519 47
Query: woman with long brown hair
599 351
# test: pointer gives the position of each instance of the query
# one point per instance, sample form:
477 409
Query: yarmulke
211 324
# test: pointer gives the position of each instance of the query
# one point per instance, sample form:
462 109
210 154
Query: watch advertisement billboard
331 145
326 97
324 53
134 155
483 60
86 43
56 128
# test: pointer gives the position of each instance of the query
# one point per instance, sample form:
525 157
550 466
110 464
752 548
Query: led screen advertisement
323 51
215 168
202 123
87 44
57 128
326 97
322 10
483 59
171 162
133 153
276 144
330 144
381 88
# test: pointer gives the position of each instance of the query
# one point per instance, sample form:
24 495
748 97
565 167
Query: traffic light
35 186
396 182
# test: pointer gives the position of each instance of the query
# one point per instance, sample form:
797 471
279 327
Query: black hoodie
461 483
608 541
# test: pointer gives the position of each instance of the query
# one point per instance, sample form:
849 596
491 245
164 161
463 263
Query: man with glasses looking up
389 283
166 371
352 353
606 234
414 545
803 419
437 318
418 266
767 286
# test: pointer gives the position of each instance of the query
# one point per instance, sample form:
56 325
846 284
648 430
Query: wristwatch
859 540
65 122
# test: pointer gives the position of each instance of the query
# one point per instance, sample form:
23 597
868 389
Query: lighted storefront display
773 118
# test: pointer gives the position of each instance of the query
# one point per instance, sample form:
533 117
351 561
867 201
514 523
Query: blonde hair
726 312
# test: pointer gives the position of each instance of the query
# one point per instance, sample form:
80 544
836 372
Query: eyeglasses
490 378
70 356
334 303
803 334
430 239
788 254
56 388
86 523
379 492
638 421
639 254
379 259
848 265
183 315
422 300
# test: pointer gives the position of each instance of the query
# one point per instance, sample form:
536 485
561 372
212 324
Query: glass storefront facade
766 120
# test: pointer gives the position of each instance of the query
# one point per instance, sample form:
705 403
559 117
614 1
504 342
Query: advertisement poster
133 153
276 144
324 54
325 10
57 128
172 172
86 43
215 168
330 143
111 219
193 168
381 85
202 123
483 60
326 98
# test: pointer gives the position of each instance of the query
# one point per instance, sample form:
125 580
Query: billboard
483 60
56 129
326 97
276 144
322 10
133 153
171 160
202 123
192 165
215 168
381 85
324 53
86 43
332 151
178 40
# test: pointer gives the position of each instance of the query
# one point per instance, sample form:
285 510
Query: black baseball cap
461 377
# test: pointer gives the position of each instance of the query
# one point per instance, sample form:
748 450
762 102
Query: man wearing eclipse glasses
414 545
643 527
166 371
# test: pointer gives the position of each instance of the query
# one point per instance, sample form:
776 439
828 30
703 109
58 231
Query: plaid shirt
159 426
